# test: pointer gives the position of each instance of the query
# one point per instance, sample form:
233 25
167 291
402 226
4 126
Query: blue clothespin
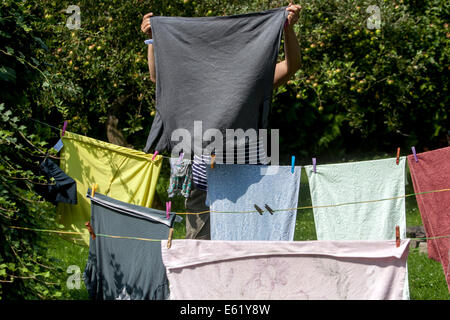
293 164
149 41
414 153
314 162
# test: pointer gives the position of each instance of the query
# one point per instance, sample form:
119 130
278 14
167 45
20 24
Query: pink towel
278 270
432 172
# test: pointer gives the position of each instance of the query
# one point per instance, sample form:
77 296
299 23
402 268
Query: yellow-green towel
121 173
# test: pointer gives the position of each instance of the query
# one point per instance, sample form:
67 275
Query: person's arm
147 29
285 69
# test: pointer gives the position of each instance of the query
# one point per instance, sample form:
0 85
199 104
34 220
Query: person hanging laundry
122 173
432 172
220 71
274 186
63 189
287 270
360 181
126 269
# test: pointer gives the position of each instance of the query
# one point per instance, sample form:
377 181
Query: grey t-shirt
218 70
126 269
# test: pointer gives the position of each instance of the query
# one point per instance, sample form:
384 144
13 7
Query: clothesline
153 240
324 206
160 155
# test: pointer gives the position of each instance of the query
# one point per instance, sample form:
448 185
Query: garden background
359 95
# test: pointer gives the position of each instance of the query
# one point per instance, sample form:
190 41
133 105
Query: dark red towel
432 172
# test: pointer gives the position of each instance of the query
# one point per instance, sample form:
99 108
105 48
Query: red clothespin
64 128
94 188
169 239
414 153
314 162
154 155
91 231
398 155
397 236
268 209
213 159
168 207
259 209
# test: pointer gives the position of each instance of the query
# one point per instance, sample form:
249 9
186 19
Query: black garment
64 188
218 70
126 269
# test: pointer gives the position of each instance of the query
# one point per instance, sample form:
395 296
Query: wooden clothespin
94 188
293 164
213 159
397 236
91 231
268 209
415 154
154 155
259 209
314 162
169 239
64 128
398 155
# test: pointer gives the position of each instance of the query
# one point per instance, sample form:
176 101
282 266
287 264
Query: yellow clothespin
169 240
94 188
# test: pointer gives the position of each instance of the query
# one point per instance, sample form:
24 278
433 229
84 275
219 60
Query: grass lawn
426 276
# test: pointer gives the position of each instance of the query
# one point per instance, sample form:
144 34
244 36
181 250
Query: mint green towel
336 184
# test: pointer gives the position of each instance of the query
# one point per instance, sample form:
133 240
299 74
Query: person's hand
294 13
146 27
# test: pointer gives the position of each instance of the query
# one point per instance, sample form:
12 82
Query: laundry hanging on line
240 188
121 173
125 269
274 270
432 171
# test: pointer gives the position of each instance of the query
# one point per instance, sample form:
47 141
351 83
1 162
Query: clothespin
91 231
169 239
314 162
94 188
398 155
181 157
293 164
213 159
168 207
259 209
154 155
397 236
414 153
268 209
64 128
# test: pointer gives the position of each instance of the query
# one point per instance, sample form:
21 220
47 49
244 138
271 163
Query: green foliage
25 270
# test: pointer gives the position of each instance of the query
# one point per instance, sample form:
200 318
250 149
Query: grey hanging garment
126 269
217 70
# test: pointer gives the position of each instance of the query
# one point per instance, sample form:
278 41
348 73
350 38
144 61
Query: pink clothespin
64 128
168 207
414 153
398 155
180 158
314 162
154 155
